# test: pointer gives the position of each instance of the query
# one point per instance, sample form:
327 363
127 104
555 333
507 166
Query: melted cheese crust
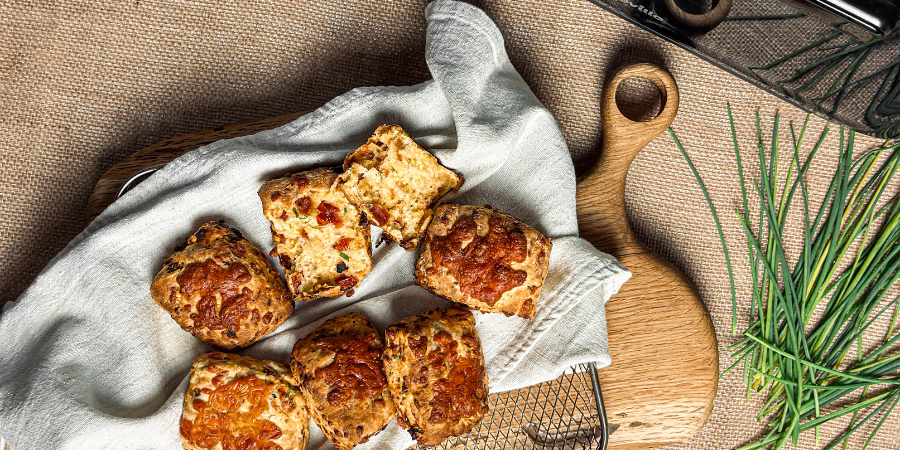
321 240
396 183
221 289
435 369
520 300
339 370
236 402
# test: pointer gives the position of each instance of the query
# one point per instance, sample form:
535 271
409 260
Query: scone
321 239
435 369
238 402
338 367
396 183
221 289
490 261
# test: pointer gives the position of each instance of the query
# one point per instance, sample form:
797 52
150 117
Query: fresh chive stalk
807 315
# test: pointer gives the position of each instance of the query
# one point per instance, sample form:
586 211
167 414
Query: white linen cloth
88 360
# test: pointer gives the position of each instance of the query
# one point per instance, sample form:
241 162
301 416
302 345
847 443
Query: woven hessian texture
84 84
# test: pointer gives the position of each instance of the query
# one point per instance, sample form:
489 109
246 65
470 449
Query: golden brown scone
321 239
221 289
435 369
490 261
238 402
396 184
339 370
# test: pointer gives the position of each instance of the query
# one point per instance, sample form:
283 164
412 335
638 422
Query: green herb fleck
345 210
344 255
296 214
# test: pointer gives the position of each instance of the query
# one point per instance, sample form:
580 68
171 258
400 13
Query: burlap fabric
83 84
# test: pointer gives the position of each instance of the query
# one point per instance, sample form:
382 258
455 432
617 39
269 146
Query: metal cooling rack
566 413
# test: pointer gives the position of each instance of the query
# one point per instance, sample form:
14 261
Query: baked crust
321 240
396 183
239 402
435 369
339 370
221 289
487 260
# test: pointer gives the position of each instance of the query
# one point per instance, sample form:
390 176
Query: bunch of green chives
806 317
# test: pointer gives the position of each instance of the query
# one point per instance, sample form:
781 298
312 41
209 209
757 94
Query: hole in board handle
639 99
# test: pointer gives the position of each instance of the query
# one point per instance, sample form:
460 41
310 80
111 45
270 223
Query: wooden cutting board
660 387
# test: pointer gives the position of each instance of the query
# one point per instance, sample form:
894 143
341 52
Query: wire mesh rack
566 413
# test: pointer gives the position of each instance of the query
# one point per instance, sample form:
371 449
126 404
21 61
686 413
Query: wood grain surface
660 387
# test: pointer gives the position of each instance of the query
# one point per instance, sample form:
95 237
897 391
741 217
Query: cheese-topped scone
435 369
339 370
490 261
396 183
222 289
321 240
235 402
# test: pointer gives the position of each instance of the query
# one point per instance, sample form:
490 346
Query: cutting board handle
660 387
622 139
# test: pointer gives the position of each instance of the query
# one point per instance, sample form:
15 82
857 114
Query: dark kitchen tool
836 58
